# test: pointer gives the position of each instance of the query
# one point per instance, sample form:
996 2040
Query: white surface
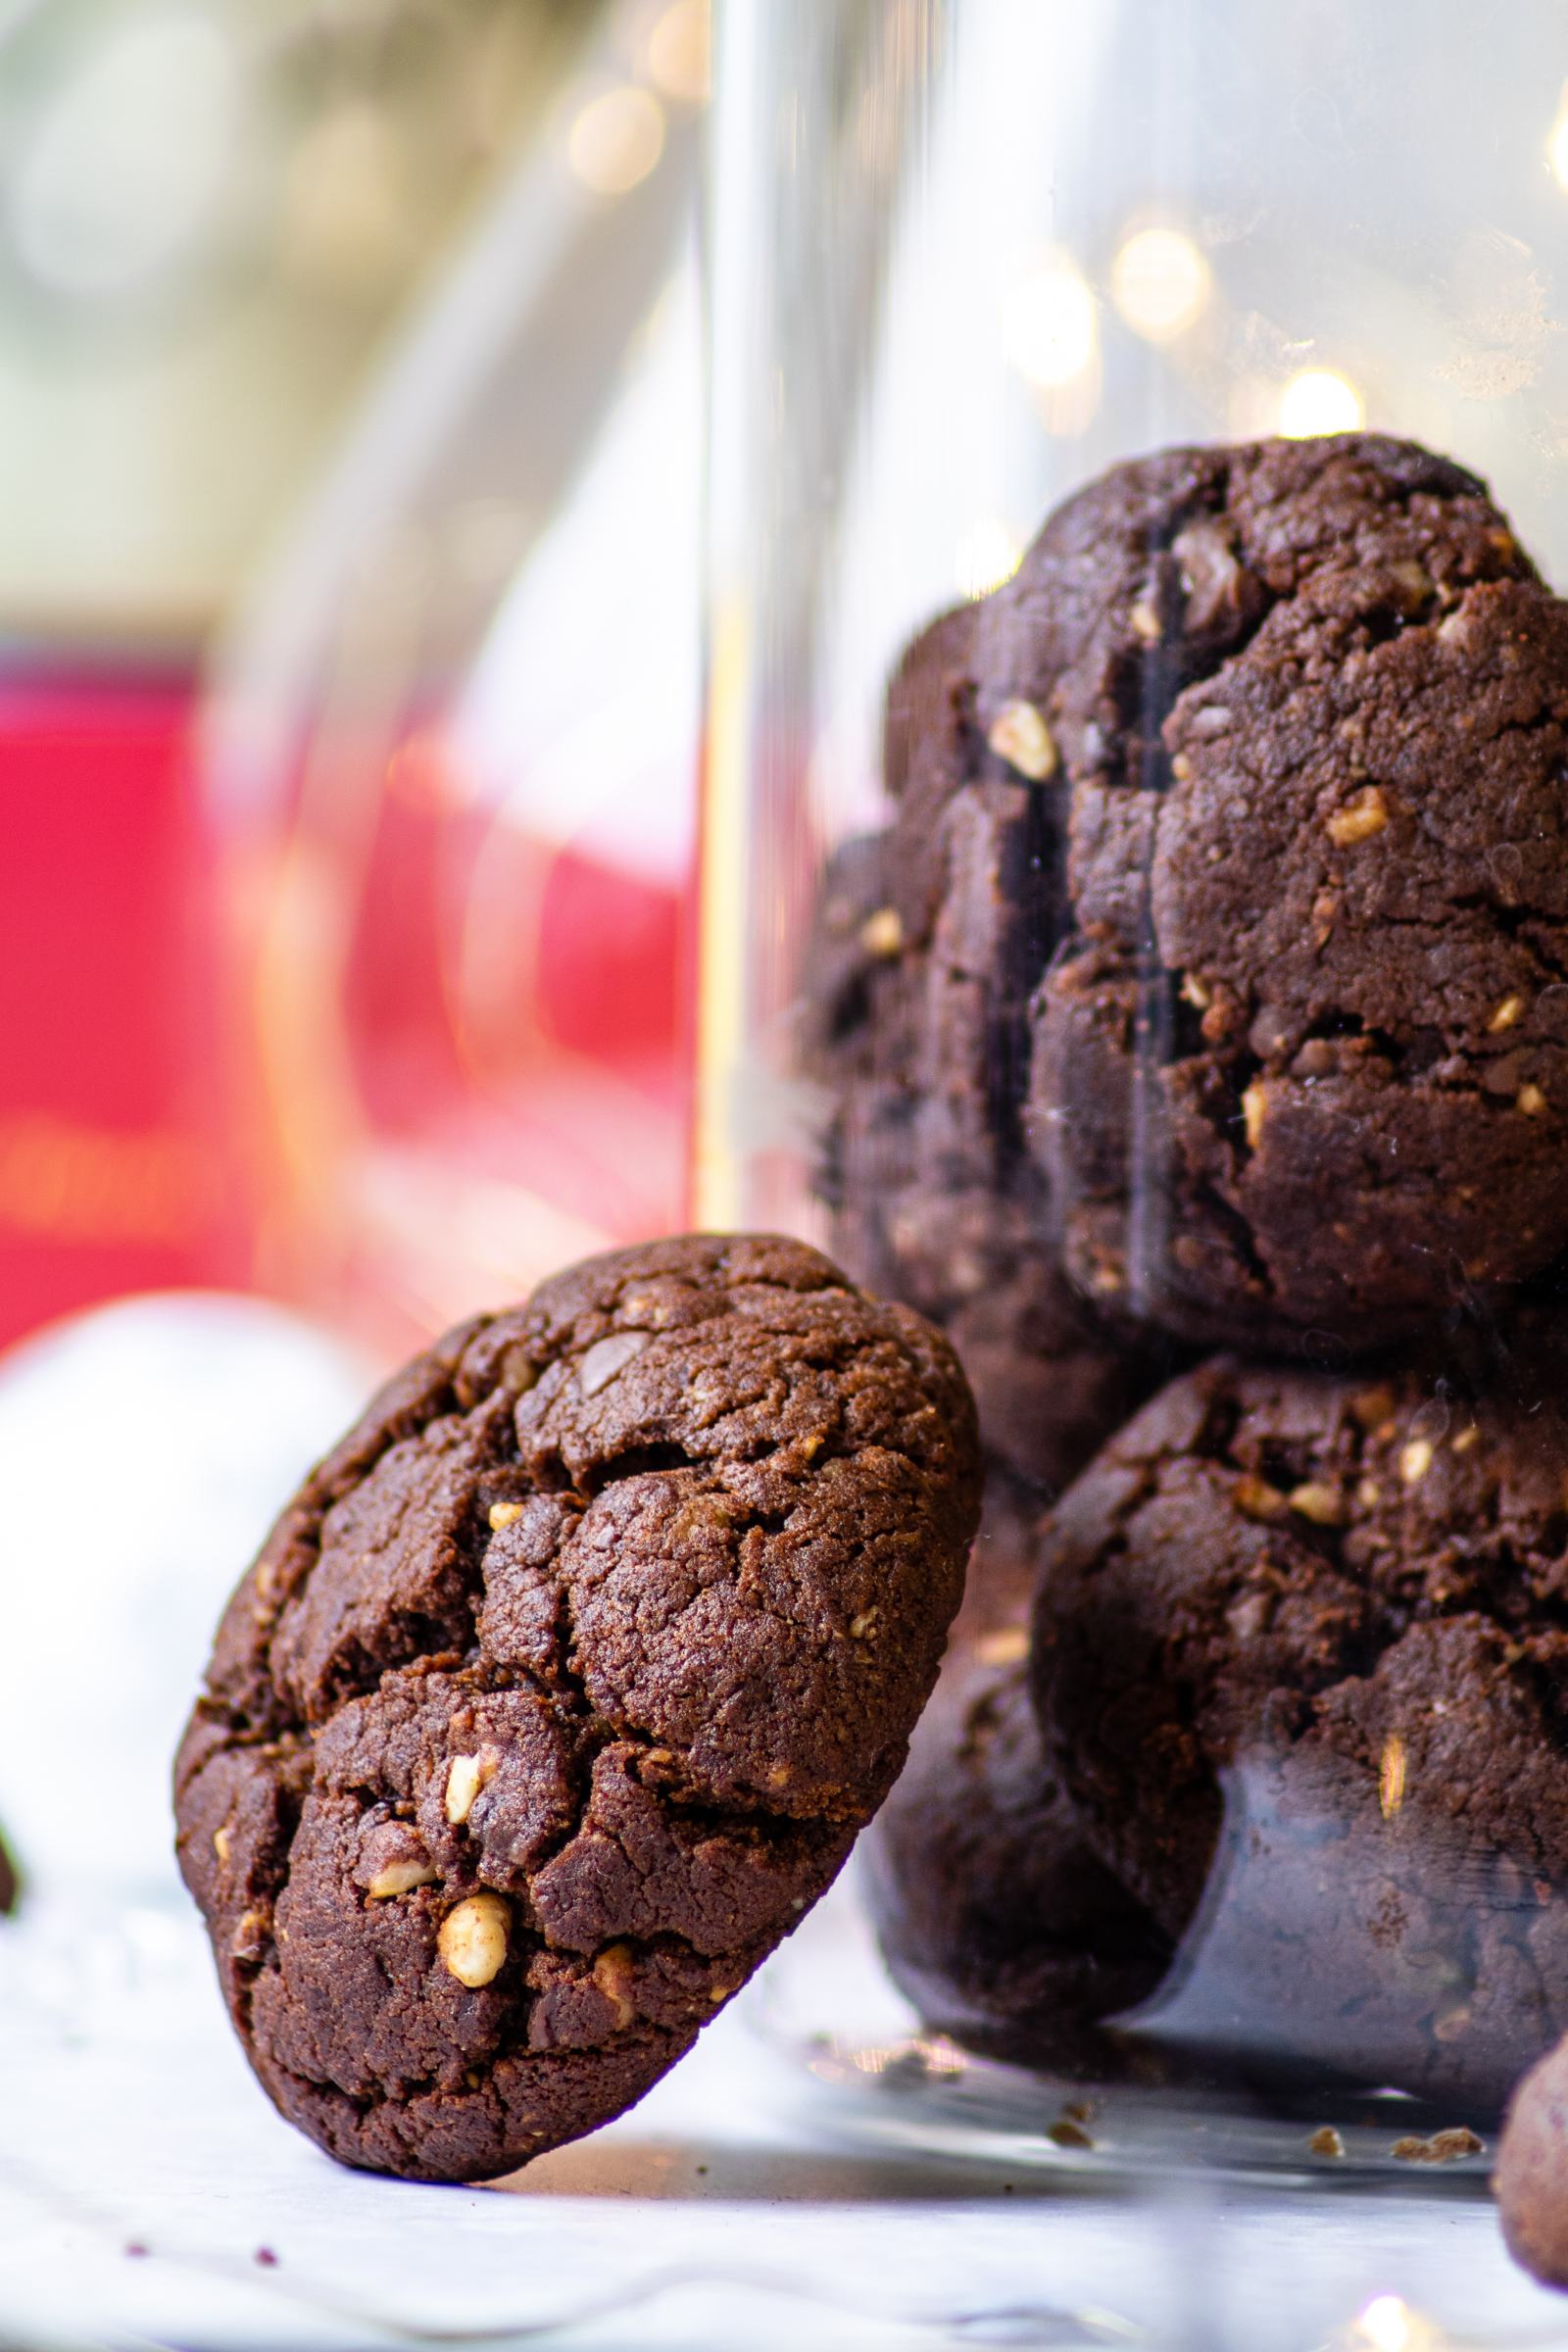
144 1451
129 2118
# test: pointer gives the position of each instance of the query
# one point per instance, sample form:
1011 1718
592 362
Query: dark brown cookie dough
1298 1652
994 1918
1226 880
562 1689
1531 2178
1300 1064
920 1162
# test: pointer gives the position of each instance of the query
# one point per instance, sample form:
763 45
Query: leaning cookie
1531 2178
562 1690
994 1918
1296 1652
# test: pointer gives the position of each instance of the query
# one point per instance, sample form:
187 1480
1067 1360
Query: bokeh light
678 52
1319 401
1159 282
1048 325
119 179
617 140
1558 143
987 555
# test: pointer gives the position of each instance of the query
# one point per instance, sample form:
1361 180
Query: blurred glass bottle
451 753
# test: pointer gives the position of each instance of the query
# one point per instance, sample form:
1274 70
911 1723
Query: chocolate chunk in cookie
1300 1662
1300 1063
1530 2180
994 1918
562 1690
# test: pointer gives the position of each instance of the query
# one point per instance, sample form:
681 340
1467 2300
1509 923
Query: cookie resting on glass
1299 1659
562 1688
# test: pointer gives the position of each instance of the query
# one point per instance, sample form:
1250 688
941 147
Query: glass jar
453 843
1135 934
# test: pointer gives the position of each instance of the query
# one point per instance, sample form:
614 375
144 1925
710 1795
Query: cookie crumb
1443 2147
265 2257
1326 2142
137 2251
1069 2134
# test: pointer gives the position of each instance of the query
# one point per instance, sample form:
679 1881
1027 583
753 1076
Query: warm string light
1049 328
617 140
1319 400
678 53
1388 2324
1160 283
1557 142
988 554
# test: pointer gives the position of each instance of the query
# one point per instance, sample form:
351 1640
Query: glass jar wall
1135 934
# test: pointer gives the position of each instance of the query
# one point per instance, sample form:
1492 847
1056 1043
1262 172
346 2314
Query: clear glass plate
866 2071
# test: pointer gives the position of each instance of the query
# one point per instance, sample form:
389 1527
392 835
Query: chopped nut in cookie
472 1939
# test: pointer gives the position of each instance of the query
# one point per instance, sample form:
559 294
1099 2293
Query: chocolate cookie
1530 2180
994 1918
1300 1063
932 1196
1299 1657
562 1690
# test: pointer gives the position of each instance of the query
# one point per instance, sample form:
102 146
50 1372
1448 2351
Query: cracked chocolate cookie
1531 2178
1300 1656
1225 884
932 1195
994 1918
1299 1066
562 1690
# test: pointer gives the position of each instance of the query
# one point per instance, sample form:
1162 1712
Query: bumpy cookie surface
1226 885
1531 2178
994 1917
914 1038
1299 1659
1300 1064
562 1690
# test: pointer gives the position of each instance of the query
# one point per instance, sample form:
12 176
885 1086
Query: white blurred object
145 1448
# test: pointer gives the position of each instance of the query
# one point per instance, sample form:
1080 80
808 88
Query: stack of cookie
1208 990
